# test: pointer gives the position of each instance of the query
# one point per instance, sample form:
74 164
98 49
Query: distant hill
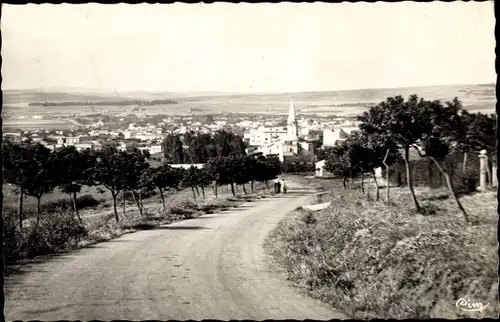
342 102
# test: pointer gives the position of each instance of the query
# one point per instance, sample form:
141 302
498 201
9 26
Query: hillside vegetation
372 261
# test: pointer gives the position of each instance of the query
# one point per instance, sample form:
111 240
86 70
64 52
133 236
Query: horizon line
96 90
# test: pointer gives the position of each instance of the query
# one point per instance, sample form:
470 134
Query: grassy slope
375 262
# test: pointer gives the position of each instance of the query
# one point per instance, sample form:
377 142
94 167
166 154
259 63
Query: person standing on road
283 185
276 185
279 186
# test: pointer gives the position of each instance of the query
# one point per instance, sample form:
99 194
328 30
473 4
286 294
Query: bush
465 182
185 208
14 237
84 201
57 231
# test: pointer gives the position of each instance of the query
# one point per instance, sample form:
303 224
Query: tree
191 179
336 164
343 161
173 149
135 165
162 178
252 169
445 131
72 167
110 171
204 179
382 150
404 123
481 135
239 173
267 169
18 169
42 177
216 170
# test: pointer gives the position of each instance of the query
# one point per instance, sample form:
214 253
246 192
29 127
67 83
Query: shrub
14 237
57 231
84 201
465 182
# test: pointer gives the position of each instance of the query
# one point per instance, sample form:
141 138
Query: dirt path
210 267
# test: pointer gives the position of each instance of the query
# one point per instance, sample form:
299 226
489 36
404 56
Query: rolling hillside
474 97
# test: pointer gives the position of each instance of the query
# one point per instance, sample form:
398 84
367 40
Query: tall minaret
291 125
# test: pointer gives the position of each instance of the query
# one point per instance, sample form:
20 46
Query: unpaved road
210 267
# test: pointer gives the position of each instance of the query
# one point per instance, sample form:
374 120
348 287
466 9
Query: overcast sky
247 47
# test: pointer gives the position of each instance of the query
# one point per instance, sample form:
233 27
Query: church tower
291 124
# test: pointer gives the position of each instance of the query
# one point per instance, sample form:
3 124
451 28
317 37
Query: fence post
494 179
483 163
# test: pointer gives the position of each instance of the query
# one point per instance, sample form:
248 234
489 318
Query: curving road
209 267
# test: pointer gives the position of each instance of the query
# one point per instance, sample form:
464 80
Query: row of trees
390 129
37 171
198 147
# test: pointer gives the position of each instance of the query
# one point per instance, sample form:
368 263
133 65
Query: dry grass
377 262
57 197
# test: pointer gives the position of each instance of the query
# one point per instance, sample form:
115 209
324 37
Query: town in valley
308 161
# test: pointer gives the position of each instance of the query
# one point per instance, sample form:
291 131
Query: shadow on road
179 228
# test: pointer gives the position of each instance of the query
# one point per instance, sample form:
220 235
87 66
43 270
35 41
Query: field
372 261
39 124
350 102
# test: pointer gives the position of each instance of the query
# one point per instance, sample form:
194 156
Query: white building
128 134
83 146
68 140
153 149
187 166
282 142
265 135
332 137
146 137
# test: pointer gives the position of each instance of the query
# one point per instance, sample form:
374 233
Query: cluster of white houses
291 141
82 143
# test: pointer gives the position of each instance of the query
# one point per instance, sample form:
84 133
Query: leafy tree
204 179
18 169
336 164
228 143
135 165
110 171
191 179
345 160
216 170
267 169
383 150
473 132
163 178
251 164
173 149
437 143
404 123
481 135
72 166
42 178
